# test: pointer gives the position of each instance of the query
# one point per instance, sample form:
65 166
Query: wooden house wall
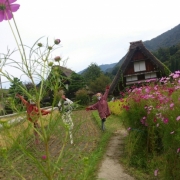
129 69
150 66
138 55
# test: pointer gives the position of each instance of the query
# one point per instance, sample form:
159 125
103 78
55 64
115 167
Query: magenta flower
6 9
178 150
155 120
129 128
44 157
165 120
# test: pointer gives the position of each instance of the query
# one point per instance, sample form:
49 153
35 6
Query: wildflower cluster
154 112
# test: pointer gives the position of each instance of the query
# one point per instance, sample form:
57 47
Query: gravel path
110 168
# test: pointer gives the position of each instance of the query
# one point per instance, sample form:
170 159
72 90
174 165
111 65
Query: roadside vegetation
152 119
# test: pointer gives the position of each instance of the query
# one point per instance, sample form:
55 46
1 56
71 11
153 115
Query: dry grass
86 137
7 137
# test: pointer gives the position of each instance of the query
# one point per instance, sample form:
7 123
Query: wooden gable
139 66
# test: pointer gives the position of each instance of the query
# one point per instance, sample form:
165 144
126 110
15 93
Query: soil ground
110 168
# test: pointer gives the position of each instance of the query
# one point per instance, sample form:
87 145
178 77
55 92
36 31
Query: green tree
76 82
115 70
110 75
12 103
100 84
16 87
169 56
91 73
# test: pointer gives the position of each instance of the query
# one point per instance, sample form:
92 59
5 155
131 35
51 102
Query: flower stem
20 38
15 39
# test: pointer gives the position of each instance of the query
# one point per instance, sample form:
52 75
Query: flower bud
57 41
39 44
49 47
50 64
57 58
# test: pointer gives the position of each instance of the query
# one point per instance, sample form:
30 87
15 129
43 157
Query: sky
91 31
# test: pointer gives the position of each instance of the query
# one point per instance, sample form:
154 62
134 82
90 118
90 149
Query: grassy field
79 161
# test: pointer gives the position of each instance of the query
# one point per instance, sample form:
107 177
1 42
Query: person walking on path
65 106
101 106
33 114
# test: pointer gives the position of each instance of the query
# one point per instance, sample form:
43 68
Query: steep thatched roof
135 46
67 72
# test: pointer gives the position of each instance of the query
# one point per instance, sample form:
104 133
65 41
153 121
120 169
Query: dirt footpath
110 168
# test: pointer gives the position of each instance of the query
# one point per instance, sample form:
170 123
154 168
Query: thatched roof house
138 66
63 72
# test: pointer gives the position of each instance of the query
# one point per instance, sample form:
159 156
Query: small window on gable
150 75
131 78
139 66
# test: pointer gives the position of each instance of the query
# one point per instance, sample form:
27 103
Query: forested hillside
169 56
167 39
164 47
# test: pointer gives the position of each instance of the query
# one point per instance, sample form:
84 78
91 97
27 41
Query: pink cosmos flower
177 72
178 150
172 74
156 172
129 128
175 76
178 118
171 105
147 90
6 9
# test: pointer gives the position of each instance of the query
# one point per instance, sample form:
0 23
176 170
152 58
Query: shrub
117 107
82 97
